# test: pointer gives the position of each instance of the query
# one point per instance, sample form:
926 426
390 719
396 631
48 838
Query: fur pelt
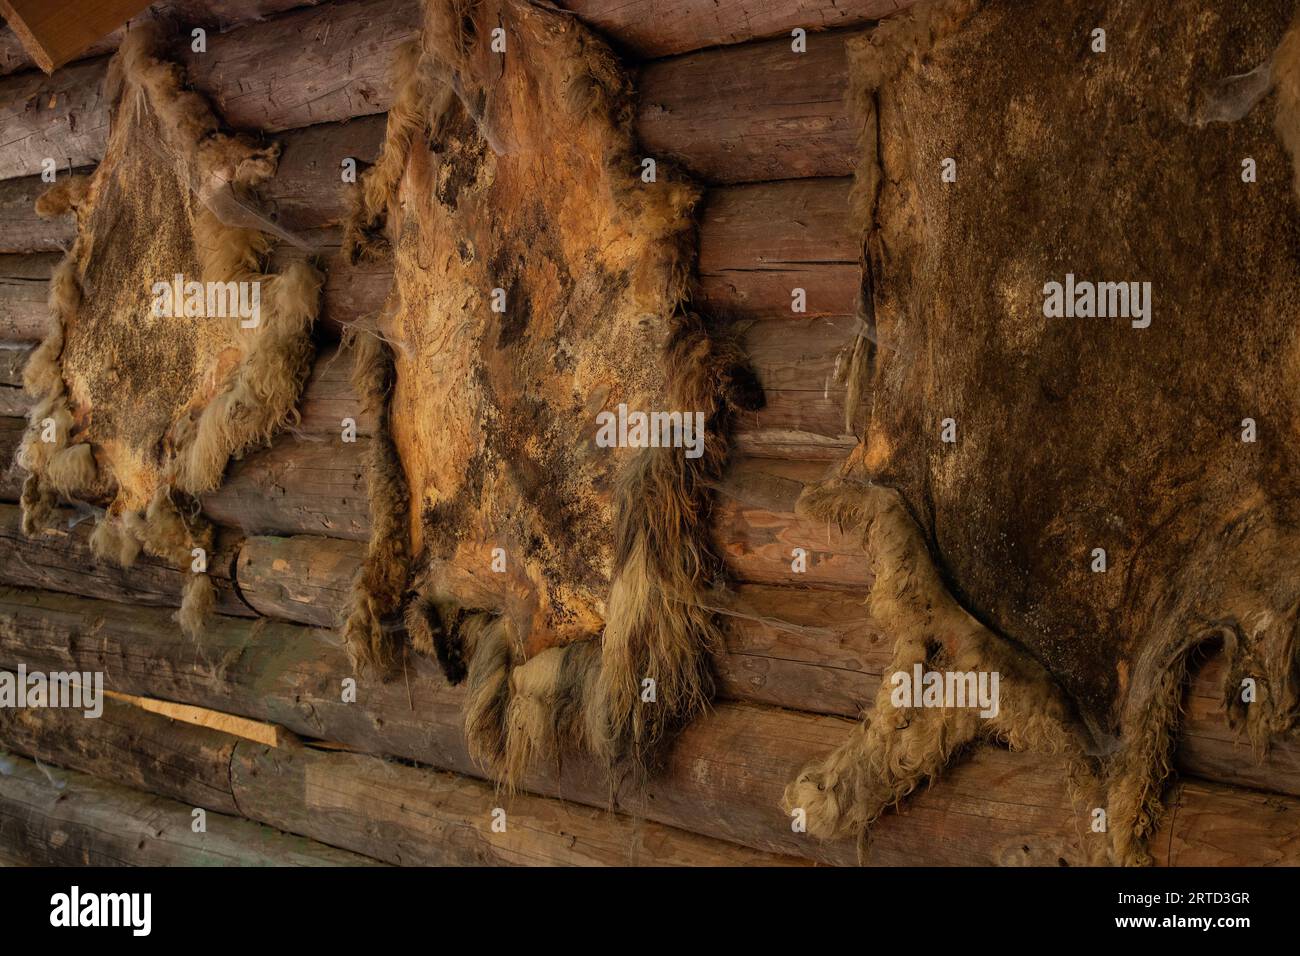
141 410
539 280
1072 434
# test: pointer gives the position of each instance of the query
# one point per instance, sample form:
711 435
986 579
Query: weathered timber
806 648
723 777
24 287
209 14
392 812
54 32
653 28
760 242
305 579
307 191
310 485
64 818
11 476
770 113
61 560
414 816
328 397
13 400
131 747
316 485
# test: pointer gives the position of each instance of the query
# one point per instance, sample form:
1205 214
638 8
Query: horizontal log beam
64 818
396 813
771 113
723 777
61 560
316 485
654 28
209 14
643 28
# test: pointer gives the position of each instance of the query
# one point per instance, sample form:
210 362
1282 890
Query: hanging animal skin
1079 386
552 412
168 349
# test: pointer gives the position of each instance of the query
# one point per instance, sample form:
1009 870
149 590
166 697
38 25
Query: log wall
387 778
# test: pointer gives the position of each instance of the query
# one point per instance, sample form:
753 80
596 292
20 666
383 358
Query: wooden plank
64 818
653 28
54 32
770 113
61 560
723 778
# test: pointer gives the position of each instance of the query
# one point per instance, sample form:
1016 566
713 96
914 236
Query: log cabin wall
307 778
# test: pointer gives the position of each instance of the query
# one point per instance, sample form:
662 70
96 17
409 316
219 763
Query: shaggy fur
1072 433
519 171
141 407
380 585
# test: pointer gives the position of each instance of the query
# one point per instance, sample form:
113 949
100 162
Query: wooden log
14 402
310 485
11 476
759 242
66 818
397 813
63 118
131 747
328 397
209 14
21 230
61 560
413 816
306 193
723 777
24 287
805 648
305 579
770 113
316 485
653 28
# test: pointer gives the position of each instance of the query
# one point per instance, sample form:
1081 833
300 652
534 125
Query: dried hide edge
1225 575
544 670
208 392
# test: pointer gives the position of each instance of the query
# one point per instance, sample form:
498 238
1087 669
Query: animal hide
539 282
1108 430
151 376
